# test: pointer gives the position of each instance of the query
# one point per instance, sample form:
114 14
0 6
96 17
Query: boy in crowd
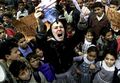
3 35
9 51
99 19
114 5
22 10
24 47
23 74
39 66
106 41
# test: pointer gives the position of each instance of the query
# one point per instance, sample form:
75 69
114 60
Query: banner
27 25
50 12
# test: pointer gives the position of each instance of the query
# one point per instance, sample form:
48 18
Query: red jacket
118 41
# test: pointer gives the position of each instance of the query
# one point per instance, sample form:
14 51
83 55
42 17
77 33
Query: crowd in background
81 45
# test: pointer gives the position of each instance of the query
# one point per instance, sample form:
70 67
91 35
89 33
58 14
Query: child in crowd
88 40
70 30
114 4
9 28
84 10
98 19
40 54
14 12
80 15
85 65
9 51
71 34
106 41
24 47
68 11
7 18
89 4
39 66
24 75
106 70
22 12
3 35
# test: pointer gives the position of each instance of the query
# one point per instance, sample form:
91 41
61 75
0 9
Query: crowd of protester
80 46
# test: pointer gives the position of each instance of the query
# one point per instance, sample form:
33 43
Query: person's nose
59 28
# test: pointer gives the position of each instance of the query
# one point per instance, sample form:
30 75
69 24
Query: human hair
20 1
18 36
16 66
89 30
6 47
63 21
93 34
97 4
72 26
2 1
114 2
110 51
105 30
8 14
92 49
1 21
31 55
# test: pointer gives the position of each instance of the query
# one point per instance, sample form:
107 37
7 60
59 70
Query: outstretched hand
38 12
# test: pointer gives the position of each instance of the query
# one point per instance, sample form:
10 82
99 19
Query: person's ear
7 57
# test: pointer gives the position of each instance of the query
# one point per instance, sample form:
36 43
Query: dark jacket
97 25
59 54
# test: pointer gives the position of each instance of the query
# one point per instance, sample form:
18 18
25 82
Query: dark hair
92 49
98 4
105 30
110 51
71 27
93 34
114 2
90 30
20 1
8 14
31 55
63 21
6 47
16 66
2 1
18 36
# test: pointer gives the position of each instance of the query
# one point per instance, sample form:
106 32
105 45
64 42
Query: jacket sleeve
41 29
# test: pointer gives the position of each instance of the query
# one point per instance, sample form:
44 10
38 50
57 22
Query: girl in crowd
88 40
85 65
106 70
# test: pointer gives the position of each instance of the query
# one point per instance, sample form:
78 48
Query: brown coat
97 25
